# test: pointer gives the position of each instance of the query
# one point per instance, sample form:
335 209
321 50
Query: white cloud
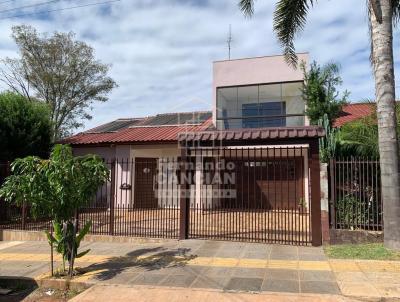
162 51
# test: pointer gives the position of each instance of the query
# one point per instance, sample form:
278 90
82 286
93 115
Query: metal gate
253 194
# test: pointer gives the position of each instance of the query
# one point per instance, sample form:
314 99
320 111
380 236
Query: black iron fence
245 194
355 194
262 195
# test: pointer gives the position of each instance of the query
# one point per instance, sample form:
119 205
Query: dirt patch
51 295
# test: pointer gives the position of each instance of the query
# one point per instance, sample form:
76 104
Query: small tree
59 71
320 92
58 186
25 127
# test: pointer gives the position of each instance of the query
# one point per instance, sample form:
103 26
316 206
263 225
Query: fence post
184 198
332 202
23 220
112 199
316 227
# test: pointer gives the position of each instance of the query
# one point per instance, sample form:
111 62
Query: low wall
351 237
15 235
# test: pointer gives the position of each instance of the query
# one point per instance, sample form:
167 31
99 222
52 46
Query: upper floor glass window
270 114
269 105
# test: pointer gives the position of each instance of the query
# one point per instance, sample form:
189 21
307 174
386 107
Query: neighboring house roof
352 112
159 128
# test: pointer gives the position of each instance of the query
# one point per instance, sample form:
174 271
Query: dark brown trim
112 199
315 179
332 178
184 203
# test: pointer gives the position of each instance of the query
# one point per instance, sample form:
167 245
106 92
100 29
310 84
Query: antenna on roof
229 41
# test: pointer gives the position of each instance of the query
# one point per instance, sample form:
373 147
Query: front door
145 174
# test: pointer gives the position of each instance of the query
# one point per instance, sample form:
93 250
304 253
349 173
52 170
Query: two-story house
253 153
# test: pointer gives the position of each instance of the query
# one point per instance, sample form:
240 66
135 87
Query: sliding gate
250 194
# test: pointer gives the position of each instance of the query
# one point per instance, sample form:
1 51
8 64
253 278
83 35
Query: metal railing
254 194
355 194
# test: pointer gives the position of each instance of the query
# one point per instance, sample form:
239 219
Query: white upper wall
259 70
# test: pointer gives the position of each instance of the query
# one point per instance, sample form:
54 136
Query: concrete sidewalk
118 293
213 265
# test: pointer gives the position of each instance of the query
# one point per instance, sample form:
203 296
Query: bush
25 127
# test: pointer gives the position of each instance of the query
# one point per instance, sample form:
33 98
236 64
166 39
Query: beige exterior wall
260 70
108 153
124 174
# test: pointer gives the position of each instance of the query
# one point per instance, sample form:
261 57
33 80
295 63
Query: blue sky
161 51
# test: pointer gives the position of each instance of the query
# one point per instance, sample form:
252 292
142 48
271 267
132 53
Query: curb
60 284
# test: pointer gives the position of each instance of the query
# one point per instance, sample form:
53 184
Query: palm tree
290 18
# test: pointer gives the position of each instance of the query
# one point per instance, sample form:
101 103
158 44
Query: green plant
346 212
302 202
64 243
25 127
58 186
353 213
327 144
320 92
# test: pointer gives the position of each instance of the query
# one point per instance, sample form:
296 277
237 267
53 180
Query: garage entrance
258 185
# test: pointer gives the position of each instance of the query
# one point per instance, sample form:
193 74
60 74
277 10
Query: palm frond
289 19
247 7
396 11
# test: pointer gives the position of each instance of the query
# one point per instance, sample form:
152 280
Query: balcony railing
261 121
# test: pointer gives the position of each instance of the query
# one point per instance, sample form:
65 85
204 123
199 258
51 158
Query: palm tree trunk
382 60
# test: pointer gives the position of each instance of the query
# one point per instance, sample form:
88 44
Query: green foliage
327 144
289 20
371 251
64 243
25 127
58 186
320 92
61 72
347 213
360 137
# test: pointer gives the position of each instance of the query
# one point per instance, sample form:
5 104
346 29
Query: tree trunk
382 60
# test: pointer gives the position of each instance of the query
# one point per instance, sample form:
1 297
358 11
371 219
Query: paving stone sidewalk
213 265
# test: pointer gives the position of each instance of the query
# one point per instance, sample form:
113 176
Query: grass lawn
372 251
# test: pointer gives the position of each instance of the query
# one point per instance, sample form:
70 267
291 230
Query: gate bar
316 232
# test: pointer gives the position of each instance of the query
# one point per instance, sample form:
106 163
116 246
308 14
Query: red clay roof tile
352 112
137 134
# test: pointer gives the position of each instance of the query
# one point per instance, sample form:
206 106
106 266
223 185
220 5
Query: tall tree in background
59 71
320 92
289 20
25 127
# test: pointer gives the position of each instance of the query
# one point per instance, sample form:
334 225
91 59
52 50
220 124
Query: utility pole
229 41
